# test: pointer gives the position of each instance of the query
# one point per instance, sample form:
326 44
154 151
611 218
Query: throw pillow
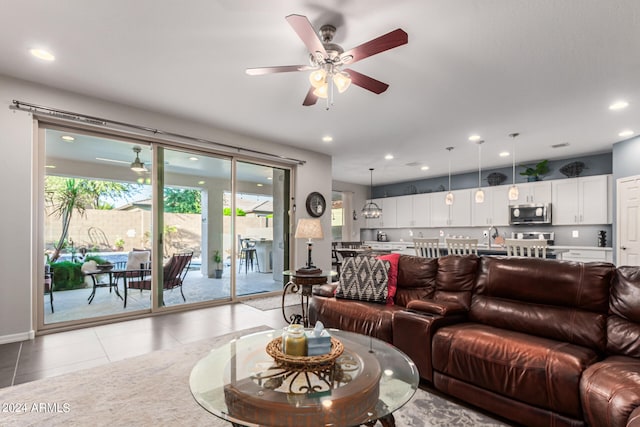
393 275
136 259
364 278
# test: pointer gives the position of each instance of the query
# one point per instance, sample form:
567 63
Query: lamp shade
309 228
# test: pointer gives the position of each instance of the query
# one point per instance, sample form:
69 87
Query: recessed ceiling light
504 154
50 166
259 185
424 168
68 138
200 182
619 105
327 138
42 54
475 138
194 158
625 133
389 157
269 178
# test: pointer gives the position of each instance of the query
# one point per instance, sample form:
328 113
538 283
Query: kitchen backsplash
587 235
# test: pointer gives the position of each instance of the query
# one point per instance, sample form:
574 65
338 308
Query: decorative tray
274 349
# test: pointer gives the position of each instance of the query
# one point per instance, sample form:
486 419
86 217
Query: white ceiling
547 69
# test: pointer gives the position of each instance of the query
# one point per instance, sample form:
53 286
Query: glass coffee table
241 383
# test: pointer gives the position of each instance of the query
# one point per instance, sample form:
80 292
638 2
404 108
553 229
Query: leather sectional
539 342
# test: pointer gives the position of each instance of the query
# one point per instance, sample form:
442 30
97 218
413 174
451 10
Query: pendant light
448 199
479 192
513 190
370 209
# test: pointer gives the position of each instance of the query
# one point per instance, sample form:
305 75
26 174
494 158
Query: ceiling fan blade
280 69
305 31
310 99
366 82
372 47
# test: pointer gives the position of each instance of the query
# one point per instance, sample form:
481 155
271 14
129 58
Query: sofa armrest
441 308
327 290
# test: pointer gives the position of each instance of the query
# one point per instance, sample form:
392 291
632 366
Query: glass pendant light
448 199
370 209
513 190
479 192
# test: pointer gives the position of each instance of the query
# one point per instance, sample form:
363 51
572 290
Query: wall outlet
575 234
485 234
441 233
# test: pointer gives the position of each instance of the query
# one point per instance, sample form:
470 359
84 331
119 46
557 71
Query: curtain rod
68 115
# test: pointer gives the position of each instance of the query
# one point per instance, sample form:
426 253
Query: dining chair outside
457 246
173 274
427 248
526 248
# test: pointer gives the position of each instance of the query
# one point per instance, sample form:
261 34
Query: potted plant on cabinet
534 173
217 258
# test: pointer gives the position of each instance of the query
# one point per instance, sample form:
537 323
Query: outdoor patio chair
173 274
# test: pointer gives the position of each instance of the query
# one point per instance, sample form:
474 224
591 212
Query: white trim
22 336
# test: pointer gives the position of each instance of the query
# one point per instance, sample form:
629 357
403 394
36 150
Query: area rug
153 390
270 303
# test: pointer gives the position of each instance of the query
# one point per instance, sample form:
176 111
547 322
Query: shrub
67 275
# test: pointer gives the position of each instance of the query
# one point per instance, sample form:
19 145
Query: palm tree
66 197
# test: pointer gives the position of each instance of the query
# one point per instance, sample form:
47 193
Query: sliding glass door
132 226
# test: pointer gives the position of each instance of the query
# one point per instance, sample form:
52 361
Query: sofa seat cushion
355 316
534 370
610 391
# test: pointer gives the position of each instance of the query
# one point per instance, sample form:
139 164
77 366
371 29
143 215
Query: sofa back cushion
456 279
416 278
562 300
623 324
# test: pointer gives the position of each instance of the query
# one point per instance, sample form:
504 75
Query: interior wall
18 174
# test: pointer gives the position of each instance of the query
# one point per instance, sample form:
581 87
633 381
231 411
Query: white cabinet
421 207
533 192
587 255
404 211
456 215
582 200
495 208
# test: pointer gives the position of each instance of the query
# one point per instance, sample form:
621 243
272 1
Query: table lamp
309 228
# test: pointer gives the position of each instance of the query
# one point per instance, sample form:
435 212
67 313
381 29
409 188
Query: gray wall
595 165
626 162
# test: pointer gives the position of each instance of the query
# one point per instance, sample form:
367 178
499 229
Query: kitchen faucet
493 235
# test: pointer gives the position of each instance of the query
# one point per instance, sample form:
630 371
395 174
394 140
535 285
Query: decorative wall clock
316 205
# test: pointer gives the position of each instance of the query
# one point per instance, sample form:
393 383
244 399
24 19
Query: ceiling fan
327 60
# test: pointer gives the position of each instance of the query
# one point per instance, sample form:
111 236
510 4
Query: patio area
73 304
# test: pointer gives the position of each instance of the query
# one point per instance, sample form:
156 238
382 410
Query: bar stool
248 253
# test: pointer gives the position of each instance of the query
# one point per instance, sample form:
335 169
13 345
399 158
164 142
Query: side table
303 284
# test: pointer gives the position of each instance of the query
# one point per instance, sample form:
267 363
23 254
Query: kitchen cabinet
495 208
456 215
404 211
537 192
587 254
583 200
421 208
388 219
412 211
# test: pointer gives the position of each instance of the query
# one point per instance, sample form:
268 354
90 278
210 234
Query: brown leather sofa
539 342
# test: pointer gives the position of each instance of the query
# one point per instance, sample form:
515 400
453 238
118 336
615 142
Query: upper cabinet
585 200
495 208
456 215
537 192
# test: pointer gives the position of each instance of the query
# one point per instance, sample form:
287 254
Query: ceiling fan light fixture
137 165
318 78
342 81
322 91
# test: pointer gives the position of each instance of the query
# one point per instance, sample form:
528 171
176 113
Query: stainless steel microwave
530 214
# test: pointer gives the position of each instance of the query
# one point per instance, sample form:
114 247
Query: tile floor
59 353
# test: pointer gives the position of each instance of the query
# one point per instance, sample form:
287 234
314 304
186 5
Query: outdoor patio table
114 275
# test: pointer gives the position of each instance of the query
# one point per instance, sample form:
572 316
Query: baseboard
24 336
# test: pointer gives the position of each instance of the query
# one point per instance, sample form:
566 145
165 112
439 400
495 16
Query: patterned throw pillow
364 278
